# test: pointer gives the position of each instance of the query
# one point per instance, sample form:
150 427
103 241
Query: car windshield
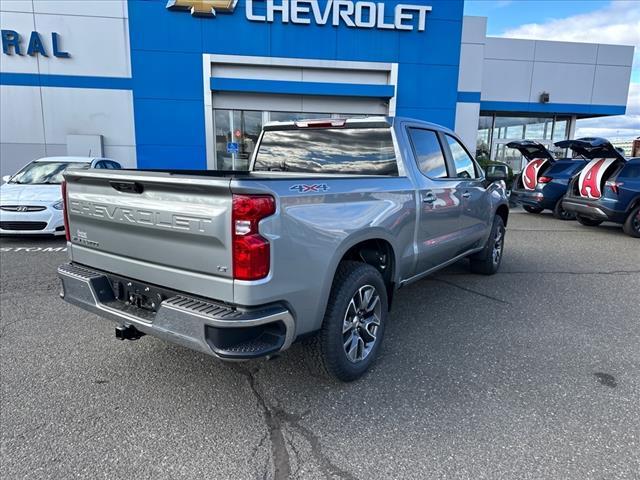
39 173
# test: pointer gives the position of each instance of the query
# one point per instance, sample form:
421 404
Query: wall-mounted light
544 97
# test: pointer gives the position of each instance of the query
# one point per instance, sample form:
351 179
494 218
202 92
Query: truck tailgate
160 228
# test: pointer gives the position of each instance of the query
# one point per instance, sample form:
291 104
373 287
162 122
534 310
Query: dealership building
187 84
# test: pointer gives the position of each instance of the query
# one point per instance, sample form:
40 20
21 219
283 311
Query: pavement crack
279 453
329 469
276 418
470 290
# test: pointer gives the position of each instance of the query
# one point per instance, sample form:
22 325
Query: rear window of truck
353 151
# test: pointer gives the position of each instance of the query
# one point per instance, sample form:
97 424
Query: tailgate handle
127 187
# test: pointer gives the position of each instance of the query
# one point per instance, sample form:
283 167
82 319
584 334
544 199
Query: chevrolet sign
358 14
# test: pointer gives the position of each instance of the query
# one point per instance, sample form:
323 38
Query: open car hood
532 150
592 147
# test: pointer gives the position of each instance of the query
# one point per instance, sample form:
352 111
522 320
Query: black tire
588 222
330 343
530 209
488 260
632 223
561 214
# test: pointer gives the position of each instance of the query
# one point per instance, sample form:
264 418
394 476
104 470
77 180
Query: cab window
465 167
428 152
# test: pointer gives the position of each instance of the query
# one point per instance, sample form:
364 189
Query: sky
592 21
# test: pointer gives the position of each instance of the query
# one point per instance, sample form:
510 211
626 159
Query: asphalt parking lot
532 373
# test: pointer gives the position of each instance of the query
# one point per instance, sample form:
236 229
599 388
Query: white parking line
33 249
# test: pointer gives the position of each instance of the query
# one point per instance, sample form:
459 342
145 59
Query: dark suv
607 189
544 180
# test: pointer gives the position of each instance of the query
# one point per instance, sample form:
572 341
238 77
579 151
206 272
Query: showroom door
237 133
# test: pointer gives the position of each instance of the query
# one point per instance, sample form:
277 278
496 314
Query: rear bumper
589 210
226 332
531 198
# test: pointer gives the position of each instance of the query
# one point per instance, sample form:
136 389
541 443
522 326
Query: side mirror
496 176
6 178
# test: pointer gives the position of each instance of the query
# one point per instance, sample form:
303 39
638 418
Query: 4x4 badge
305 188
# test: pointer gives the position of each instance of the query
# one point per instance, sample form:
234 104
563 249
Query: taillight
251 251
545 179
65 211
613 185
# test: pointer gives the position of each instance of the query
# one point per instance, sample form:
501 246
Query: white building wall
474 31
572 73
35 121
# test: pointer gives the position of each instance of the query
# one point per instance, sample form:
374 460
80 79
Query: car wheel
530 209
488 260
588 222
561 214
632 223
354 323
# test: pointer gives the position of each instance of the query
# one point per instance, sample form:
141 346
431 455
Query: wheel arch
503 212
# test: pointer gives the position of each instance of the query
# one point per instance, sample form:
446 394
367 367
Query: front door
476 214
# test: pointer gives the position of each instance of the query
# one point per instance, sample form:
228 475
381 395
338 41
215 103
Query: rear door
604 160
438 234
539 159
170 230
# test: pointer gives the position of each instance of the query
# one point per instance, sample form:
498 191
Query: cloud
618 24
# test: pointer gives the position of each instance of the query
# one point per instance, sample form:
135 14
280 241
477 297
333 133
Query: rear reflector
544 179
251 251
65 211
341 122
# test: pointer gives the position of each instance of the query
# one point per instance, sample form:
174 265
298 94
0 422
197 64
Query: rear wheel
632 223
530 209
354 322
487 261
561 214
588 222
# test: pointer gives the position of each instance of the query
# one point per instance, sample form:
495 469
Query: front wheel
531 209
588 222
488 260
354 322
632 223
561 214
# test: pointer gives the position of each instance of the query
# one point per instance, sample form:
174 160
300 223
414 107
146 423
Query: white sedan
31 200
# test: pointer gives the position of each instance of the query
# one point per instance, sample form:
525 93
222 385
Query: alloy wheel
498 245
361 323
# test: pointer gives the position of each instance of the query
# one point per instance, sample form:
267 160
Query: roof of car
70 159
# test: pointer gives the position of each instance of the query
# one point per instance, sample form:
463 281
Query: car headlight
58 205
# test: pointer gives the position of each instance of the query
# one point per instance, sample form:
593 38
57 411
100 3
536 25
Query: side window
428 152
114 165
100 164
465 167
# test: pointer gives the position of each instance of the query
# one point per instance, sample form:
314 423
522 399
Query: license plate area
138 295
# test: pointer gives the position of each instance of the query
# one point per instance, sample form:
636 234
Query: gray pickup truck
332 217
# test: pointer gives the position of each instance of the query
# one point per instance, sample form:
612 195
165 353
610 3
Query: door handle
428 198
466 195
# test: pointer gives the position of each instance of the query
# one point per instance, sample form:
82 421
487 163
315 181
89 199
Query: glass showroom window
483 140
236 135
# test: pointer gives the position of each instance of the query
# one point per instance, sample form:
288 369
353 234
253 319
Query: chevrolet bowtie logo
203 8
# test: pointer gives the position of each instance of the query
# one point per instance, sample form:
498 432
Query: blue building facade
167 48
